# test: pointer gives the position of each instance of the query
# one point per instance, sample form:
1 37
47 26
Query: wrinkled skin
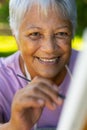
29 102
45 45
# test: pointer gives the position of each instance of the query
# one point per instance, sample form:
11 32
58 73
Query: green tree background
82 16
4 11
81 9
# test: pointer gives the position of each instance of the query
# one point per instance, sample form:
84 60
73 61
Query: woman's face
45 43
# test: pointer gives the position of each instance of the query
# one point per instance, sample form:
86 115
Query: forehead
38 16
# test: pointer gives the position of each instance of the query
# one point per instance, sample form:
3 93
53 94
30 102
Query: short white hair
18 8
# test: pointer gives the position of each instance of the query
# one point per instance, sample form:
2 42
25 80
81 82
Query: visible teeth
48 60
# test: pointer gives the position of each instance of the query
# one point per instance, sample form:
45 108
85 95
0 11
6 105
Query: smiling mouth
49 60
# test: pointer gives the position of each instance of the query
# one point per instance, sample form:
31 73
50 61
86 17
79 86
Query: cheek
66 47
68 53
67 50
27 46
65 44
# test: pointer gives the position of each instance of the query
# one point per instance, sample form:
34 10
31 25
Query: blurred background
8 43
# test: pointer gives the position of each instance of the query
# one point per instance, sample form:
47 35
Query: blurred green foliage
82 16
81 9
9 46
4 11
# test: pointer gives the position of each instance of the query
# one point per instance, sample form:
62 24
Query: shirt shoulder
9 68
8 61
9 83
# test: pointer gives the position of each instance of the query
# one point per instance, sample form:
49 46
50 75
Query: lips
49 60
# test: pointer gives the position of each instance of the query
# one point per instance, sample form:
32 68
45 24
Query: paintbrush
60 95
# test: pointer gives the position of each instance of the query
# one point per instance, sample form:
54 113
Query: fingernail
54 105
40 101
60 101
55 87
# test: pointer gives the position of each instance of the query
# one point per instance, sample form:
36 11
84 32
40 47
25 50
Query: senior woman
43 30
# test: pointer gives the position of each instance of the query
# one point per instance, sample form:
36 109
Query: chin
48 72
48 75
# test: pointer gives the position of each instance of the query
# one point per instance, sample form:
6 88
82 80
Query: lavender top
10 83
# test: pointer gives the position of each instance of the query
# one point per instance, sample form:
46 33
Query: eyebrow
31 27
62 26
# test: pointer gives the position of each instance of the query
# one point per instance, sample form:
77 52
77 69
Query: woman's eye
35 36
62 35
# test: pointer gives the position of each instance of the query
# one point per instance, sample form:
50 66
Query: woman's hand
28 103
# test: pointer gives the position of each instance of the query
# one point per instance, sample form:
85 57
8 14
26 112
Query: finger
49 102
51 92
36 94
38 79
28 103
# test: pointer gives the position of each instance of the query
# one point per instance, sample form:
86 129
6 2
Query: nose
49 45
